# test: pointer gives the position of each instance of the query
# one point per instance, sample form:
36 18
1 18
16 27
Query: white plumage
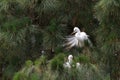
78 65
67 65
70 59
77 39
69 62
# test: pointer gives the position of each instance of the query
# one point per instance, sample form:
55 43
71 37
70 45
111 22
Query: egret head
77 64
76 30
70 57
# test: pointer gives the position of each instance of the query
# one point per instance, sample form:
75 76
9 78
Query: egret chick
70 59
69 62
77 65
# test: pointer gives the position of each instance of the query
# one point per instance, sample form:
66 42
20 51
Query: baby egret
77 39
69 62
77 65
70 59
67 65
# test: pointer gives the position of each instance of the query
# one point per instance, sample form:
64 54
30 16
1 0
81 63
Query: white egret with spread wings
78 39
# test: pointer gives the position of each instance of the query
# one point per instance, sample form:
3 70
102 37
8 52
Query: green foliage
10 70
106 9
17 76
5 5
57 62
29 63
107 12
83 59
53 35
27 73
48 5
41 61
34 76
85 71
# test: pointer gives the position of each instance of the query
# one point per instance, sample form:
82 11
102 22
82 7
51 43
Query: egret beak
73 32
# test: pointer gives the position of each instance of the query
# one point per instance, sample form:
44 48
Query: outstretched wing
77 40
73 41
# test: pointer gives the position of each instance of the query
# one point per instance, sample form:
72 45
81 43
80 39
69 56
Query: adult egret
77 39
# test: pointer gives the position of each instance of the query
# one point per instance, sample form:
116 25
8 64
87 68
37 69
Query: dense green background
27 27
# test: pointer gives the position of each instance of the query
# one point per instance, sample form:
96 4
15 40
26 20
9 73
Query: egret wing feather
72 41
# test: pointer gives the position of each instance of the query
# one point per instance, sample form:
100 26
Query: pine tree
108 36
